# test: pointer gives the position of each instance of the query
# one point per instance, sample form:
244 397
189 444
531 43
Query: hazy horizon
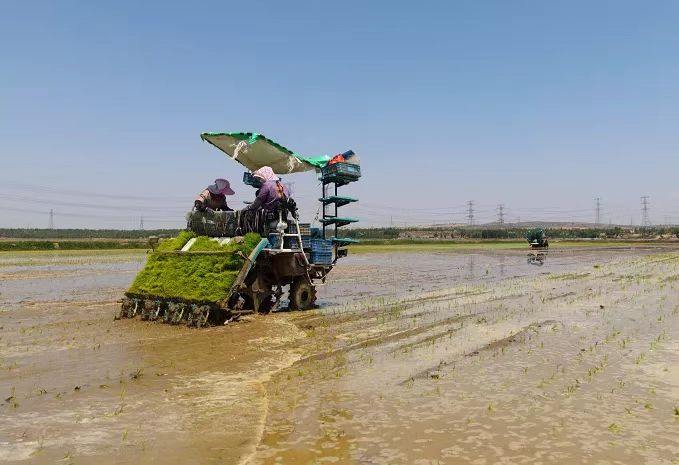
541 107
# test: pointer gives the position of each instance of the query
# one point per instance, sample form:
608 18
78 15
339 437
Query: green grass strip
23 245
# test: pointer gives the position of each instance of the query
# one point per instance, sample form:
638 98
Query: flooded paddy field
451 357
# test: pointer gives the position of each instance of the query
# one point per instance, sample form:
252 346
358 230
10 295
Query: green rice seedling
196 276
614 428
67 459
571 389
653 345
12 401
41 447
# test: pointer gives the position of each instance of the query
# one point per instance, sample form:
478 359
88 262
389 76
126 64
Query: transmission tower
141 223
470 212
645 221
597 220
501 214
51 226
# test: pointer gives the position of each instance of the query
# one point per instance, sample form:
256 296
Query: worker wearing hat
214 197
270 192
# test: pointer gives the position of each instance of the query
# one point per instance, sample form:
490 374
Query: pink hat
221 186
265 173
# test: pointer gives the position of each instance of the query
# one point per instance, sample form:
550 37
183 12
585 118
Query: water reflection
470 266
537 259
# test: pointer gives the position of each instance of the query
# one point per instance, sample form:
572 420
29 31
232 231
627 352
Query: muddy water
395 275
412 358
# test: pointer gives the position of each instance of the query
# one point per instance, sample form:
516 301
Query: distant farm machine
223 266
537 238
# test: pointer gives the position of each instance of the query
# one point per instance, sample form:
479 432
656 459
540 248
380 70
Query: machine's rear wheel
268 304
302 294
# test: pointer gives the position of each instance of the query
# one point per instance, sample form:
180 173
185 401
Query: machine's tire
302 294
268 304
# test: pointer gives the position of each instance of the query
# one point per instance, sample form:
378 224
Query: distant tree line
17 233
464 232
373 233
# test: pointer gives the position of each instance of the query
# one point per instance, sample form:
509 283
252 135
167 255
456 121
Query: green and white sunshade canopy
253 151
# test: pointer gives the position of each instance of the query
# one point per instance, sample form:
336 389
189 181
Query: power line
76 193
51 223
597 219
160 209
141 223
501 213
154 219
470 212
645 221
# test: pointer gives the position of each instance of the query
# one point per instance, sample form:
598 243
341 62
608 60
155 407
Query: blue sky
541 106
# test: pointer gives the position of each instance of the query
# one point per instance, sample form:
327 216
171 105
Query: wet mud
412 358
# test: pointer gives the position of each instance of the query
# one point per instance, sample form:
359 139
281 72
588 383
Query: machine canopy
253 151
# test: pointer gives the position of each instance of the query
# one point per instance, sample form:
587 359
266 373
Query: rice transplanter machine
223 266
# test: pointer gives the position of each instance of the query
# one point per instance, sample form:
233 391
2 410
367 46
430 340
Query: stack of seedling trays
288 242
305 232
250 180
292 242
337 175
340 173
321 251
274 240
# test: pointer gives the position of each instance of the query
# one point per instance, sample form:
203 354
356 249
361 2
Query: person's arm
260 200
257 204
199 204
